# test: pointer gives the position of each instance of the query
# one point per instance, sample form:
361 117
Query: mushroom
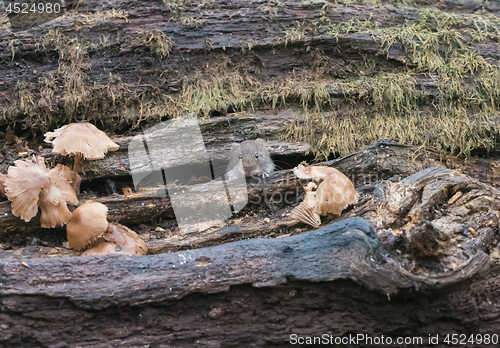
29 185
89 226
83 140
128 240
333 195
306 210
88 223
315 173
101 247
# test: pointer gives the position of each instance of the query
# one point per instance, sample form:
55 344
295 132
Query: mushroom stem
76 165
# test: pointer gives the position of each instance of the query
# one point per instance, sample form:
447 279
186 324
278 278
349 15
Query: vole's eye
256 156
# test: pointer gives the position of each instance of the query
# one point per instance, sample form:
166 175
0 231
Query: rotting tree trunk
365 168
351 276
199 297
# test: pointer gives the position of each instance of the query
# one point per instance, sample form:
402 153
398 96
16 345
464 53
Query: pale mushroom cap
335 193
316 172
88 222
128 240
102 248
30 185
83 138
23 186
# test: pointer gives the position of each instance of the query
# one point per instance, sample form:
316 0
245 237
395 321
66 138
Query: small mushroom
83 140
88 223
29 185
333 194
89 226
128 240
101 247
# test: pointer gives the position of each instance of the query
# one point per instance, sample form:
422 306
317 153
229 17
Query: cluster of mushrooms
30 185
333 194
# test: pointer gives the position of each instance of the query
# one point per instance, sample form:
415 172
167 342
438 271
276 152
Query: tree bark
156 296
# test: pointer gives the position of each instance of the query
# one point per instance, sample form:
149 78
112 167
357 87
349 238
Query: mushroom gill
71 176
306 210
53 198
88 223
307 214
29 185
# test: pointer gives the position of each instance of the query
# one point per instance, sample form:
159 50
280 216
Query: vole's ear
260 142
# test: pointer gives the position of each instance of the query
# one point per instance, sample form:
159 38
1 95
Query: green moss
458 117
352 26
158 42
391 93
462 116
294 33
348 129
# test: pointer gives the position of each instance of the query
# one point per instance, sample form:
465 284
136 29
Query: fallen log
39 289
366 167
218 135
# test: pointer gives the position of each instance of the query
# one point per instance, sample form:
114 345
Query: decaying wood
218 135
366 167
361 268
39 289
437 213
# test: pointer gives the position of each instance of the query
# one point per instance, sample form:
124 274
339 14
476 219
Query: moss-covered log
131 67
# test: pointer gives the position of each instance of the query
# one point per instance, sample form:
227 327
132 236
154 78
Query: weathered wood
39 289
347 249
115 43
366 167
218 135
